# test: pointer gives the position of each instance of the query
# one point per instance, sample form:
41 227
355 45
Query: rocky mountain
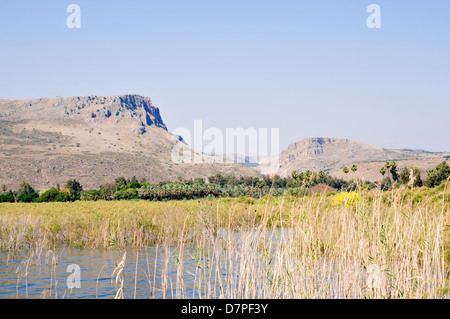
332 154
93 139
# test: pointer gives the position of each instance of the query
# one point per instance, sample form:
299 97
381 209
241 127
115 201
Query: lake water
223 265
150 272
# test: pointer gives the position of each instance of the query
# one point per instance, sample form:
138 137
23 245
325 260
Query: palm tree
307 177
393 171
295 176
387 165
345 170
321 176
383 170
354 168
260 185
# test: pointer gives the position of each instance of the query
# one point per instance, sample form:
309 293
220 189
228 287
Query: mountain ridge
332 154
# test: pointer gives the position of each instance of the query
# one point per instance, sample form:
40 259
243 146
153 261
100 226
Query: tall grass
383 245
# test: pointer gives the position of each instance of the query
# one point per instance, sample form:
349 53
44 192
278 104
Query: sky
310 68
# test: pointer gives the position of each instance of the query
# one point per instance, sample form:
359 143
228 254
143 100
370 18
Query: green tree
25 188
74 187
346 171
383 171
354 168
296 177
199 180
321 176
307 177
260 185
120 182
438 175
7 198
133 180
405 175
393 171
417 179
27 198
50 195
387 167
386 184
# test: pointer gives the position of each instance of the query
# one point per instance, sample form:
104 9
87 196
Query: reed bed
376 245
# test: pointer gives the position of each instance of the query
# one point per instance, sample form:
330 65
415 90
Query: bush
438 175
49 196
26 188
130 193
91 194
65 197
297 191
386 184
7 198
74 187
54 195
27 198
133 185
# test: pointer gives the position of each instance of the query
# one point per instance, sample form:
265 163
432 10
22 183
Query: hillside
93 139
332 154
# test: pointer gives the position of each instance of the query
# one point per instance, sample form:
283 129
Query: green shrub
438 175
49 196
130 193
6 198
91 194
27 198
54 195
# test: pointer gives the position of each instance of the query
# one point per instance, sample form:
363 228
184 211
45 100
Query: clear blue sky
311 68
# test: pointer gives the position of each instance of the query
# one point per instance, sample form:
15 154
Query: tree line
219 185
27 194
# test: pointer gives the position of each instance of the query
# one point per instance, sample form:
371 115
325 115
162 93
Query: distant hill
332 154
93 139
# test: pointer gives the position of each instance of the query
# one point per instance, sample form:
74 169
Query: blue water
46 277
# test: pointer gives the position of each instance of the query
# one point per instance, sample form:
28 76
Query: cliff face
147 113
133 111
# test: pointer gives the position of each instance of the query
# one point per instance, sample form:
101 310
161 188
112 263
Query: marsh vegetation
319 246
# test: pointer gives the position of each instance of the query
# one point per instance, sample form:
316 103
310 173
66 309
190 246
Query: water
213 269
150 272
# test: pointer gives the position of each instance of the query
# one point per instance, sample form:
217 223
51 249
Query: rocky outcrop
147 113
137 111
